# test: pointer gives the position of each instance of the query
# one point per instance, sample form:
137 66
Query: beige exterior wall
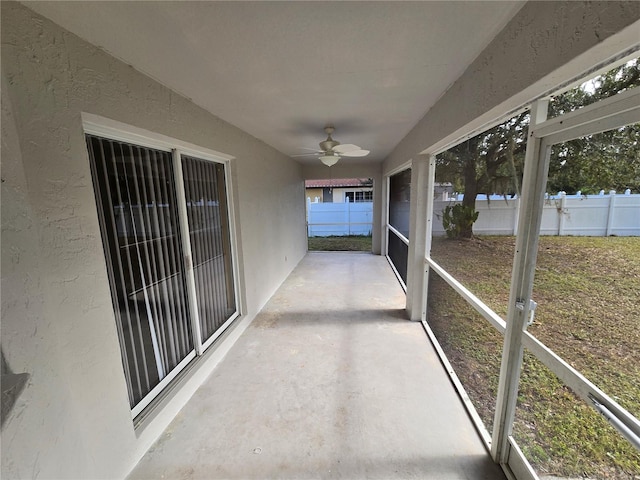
73 419
313 193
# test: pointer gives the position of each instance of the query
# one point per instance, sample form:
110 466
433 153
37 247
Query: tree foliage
492 162
605 161
487 163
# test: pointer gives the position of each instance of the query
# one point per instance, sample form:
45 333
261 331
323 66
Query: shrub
458 220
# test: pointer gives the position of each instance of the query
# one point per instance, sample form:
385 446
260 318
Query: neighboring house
339 190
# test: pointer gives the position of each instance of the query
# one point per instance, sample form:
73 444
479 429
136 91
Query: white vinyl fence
326 219
586 215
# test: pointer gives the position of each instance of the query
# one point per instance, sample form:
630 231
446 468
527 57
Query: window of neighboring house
359 196
166 234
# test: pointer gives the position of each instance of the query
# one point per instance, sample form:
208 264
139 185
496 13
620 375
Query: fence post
563 205
308 216
347 214
612 202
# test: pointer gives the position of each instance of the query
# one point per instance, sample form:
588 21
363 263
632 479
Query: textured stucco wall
73 420
544 45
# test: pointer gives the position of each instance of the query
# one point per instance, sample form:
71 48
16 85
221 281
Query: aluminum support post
531 204
431 180
384 217
421 199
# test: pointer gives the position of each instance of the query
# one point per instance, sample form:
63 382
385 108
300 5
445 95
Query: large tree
487 163
492 161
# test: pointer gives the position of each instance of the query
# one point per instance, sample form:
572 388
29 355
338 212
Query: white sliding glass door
173 292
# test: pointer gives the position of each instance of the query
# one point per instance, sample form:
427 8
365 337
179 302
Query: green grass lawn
587 289
351 243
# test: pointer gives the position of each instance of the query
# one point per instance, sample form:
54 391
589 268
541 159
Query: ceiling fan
331 150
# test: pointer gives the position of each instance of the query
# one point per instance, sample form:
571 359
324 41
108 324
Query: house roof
338 182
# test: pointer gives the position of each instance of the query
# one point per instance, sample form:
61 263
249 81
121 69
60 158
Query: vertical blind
140 223
205 192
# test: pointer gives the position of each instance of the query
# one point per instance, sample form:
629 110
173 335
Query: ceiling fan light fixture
329 160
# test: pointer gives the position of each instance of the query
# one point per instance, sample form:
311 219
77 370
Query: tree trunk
470 191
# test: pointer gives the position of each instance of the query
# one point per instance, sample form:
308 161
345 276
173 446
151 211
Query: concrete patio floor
329 381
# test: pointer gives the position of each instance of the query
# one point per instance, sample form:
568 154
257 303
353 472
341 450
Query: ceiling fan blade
312 154
356 153
345 147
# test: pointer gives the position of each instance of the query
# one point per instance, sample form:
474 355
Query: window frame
121 132
363 194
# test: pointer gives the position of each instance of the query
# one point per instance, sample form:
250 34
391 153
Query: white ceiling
281 71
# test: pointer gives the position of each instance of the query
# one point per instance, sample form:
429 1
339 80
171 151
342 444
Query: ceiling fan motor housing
329 143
